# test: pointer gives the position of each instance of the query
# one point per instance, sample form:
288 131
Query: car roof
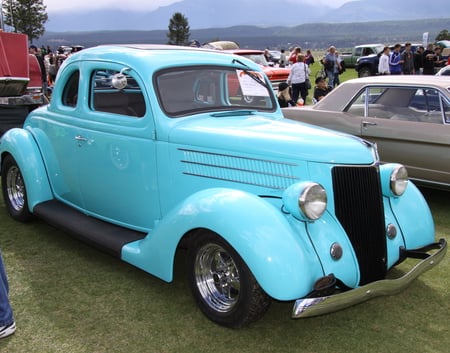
339 97
244 51
409 80
159 55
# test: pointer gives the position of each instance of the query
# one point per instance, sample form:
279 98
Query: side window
358 51
106 98
70 93
428 103
423 105
366 103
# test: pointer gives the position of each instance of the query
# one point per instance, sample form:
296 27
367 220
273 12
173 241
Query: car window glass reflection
106 98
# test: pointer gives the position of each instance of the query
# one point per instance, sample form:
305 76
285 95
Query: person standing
338 69
383 63
283 59
297 79
330 64
294 55
428 60
395 61
309 58
34 51
418 60
408 60
439 60
7 324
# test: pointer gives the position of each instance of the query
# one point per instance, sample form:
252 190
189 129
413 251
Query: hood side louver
253 171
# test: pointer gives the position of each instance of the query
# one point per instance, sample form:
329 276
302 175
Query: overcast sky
62 5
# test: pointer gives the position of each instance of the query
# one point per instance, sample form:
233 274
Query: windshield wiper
251 73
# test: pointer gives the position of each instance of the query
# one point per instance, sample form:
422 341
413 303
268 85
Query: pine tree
443 35
178 29
26 16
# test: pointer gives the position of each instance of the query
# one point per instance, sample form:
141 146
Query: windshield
189 90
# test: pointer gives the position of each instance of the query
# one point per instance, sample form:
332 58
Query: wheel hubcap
217 278
15 188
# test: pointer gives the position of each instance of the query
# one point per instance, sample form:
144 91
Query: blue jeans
6 314
330 74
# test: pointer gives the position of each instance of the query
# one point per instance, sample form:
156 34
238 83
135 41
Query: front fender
414 217
282 260
20 144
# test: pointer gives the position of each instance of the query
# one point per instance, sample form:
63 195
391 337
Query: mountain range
203 14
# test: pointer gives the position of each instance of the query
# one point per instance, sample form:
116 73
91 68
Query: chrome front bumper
322 305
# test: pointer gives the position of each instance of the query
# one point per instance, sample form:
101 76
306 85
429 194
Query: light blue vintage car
147 149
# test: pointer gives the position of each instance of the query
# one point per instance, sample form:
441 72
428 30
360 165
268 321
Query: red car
275 74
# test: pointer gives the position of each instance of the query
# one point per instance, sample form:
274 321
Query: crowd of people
50 61
398 61
295 91
409 62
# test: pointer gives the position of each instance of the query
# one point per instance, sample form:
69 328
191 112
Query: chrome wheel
217 278
15 188
222 284
14 191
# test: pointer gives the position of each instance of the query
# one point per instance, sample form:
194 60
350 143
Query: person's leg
330 75
7 326
303 92
295 91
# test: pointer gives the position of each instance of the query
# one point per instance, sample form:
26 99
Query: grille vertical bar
359 208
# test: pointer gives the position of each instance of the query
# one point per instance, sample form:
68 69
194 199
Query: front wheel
14 191
222 284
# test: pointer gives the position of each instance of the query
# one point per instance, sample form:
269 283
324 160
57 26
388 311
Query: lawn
69 297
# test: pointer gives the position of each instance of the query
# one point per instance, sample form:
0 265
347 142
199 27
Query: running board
105 236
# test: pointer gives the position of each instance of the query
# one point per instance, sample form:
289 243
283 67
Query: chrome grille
359 207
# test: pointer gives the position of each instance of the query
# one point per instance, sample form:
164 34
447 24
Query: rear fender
282 261
20 144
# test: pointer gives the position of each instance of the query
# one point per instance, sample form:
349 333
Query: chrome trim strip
322 305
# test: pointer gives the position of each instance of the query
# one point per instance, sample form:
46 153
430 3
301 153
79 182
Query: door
410 126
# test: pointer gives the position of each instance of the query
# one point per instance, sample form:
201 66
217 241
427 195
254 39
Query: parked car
368 65
445 71
350 59
407 116
161 157
276 75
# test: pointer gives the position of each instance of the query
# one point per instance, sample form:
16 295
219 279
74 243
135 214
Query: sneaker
7 330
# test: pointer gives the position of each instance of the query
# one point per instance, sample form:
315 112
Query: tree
178 29
443 35
26 16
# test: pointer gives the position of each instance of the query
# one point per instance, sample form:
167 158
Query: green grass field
71 298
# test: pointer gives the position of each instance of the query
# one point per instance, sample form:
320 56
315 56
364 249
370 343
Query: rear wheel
14 191
222 284
364 72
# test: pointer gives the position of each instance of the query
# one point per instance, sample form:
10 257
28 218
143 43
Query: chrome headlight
306 200
399 180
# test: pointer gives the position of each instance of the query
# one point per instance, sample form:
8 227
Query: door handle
368 123
81 138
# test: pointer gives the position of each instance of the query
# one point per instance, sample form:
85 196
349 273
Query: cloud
143 5
81 5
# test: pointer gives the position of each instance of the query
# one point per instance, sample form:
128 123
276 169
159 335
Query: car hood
274 73
269 138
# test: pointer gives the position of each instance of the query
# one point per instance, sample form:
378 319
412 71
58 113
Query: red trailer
20 81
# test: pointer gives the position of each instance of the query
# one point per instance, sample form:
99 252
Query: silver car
408 117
